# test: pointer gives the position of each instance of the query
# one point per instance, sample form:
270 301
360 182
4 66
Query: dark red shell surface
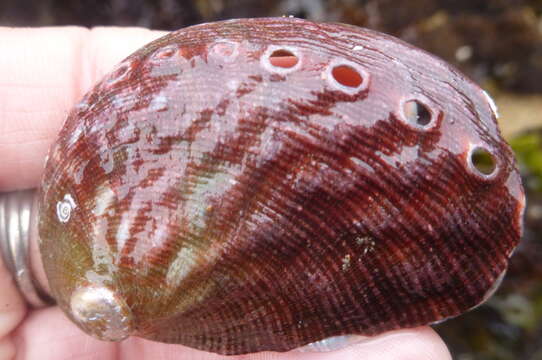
201 194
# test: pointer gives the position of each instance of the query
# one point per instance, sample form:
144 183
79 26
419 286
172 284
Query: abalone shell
261 184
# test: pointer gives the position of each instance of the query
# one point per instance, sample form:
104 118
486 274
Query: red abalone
260 184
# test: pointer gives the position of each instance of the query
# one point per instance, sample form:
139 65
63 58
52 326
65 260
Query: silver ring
17 214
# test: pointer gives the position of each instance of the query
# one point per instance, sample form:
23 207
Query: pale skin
43 73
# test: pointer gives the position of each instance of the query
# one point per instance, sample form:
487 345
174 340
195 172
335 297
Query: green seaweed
528 150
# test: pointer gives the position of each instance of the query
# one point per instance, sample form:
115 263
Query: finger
421 344
43 72
47 334
12 311
55 337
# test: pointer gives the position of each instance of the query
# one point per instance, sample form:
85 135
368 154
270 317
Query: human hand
43 73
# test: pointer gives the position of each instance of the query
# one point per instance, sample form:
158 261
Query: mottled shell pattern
261 184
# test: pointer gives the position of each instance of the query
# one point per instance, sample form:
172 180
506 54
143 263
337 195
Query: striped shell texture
261 184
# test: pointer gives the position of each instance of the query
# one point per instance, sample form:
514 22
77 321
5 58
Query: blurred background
498 43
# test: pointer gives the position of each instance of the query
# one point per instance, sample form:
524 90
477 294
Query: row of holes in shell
413 111
351 78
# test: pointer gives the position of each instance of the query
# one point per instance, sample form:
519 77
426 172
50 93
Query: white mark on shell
346 262
489 293
120 73
64 208
362 164
408 155
103 201
224 50
331 343
123 232
232 84
102 312
492 104
164 53
81 106
107 163
124 100
45 160
159 103
180 267
76 135
367 243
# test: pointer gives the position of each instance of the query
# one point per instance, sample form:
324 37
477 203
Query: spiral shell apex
261 184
